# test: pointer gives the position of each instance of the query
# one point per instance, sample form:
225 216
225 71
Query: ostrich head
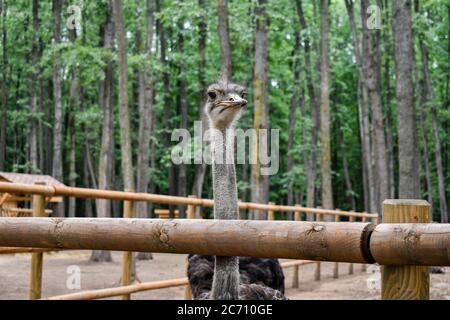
225 103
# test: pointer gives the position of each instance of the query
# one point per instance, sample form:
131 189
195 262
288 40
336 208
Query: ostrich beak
236 100
233 101
243 103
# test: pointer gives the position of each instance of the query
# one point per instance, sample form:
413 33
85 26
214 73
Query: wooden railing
394 245
147 286
48 191
40 192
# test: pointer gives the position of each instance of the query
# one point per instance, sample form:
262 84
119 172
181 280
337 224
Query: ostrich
230 278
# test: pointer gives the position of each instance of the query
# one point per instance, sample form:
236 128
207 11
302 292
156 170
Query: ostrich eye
212 95
243 95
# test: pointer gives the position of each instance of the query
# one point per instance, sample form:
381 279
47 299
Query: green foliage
88 58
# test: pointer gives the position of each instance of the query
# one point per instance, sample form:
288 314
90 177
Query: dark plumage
200 274
252 291
260 279
255 291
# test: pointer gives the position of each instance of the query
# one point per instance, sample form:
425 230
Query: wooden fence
325 241
393 245
50 191
355 242
154 285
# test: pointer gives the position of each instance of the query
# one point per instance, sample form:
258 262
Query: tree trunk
17 96
224 39
363 107
446 104
167 105
42 146
365 173
297 97
247 118
387 102
435 124
124 118
33 141
290 161
105 164
368 149
74 100
145 120
152 154
306 160
406 115
260 183
200 168
312 166
58 112
88 212
3 87
88 203
48 132
348 181
425 153
327 192
72 161
182 106
371 71
316 45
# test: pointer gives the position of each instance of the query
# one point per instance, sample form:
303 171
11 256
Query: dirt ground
14 277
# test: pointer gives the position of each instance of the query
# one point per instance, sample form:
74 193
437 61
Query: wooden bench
19 212
164 213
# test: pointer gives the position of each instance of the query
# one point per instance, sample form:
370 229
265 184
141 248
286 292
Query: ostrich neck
226 269
224 175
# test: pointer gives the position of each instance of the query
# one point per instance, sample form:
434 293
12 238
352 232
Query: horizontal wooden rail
21 210
393 244
162 199
13 250
114 292
327 241
296 263
411 244
147 286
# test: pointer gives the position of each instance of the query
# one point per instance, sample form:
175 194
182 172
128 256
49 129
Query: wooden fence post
350 266
364 266
38 204
405 282
127 261
375 220
337 218
295 277
317 272
271 213
191 209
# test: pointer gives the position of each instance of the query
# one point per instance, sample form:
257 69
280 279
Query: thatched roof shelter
9 203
